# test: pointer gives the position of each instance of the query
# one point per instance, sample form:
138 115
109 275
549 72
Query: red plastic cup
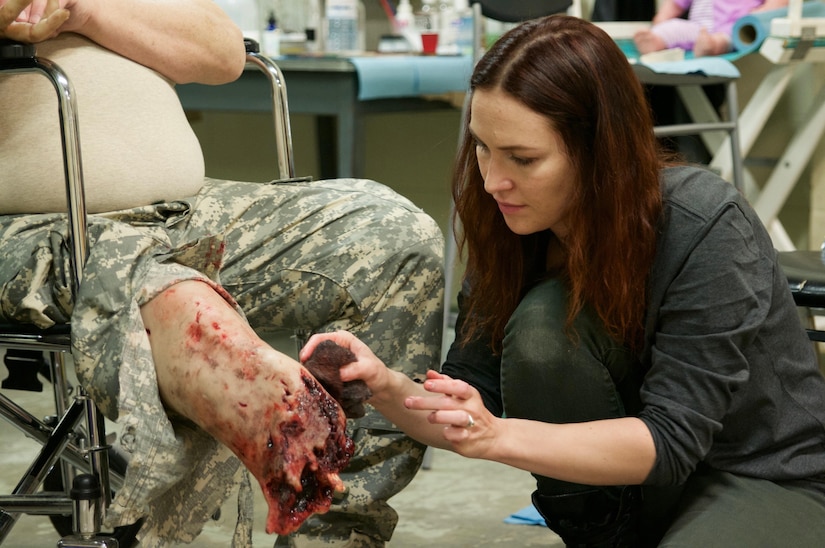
429 42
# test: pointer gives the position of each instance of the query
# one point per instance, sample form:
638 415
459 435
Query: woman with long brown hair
625 333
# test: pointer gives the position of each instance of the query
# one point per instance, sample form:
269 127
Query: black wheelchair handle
12 49
251 45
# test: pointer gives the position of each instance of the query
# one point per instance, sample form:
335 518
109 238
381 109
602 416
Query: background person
707 28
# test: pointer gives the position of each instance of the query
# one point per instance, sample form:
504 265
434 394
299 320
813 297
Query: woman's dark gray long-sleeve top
732 380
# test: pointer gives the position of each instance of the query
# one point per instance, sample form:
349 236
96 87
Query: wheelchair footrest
77 541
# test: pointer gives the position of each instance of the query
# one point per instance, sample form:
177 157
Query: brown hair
571 72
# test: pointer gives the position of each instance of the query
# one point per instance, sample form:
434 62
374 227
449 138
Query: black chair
515 12
806 278
72 466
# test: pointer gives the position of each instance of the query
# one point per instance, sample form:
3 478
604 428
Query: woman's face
523 163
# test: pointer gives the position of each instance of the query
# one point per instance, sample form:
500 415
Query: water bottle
344 33
464 38
405 25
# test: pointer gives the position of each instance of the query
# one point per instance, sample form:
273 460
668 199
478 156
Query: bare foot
646 41
284 427
710 44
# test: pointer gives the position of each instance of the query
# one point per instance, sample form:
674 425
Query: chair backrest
805 271
514 11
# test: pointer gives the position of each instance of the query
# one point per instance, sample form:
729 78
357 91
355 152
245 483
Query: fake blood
297 480
194 331
300 445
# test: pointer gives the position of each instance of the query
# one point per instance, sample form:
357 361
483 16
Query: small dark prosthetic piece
324 364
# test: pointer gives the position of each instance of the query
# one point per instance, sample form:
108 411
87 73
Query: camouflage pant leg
385 462
177 474
324 256
344 254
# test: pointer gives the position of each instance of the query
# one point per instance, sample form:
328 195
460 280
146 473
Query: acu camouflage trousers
318 256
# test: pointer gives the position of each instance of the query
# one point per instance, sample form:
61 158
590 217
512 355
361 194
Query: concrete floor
457 502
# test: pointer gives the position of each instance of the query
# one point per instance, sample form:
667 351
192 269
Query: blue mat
526 516
717 65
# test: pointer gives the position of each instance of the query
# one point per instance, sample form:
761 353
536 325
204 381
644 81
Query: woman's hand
468 426
367 366
32 20
443 412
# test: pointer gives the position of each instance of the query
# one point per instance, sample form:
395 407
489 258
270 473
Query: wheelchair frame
76 440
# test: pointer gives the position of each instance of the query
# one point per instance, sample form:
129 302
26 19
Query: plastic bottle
448 27
464 27
271 45
405 25
343 24
427 18
362 27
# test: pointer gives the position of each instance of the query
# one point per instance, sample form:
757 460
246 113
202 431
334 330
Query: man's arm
185 40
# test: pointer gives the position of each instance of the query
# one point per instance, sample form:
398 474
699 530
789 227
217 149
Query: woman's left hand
468 426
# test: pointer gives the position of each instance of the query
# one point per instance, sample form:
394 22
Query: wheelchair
73 476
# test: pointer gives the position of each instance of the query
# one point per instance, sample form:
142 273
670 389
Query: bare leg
646 41
214 370
711 44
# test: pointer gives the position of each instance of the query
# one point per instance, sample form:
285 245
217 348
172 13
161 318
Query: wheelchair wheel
125 535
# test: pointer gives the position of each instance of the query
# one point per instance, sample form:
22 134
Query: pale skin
526 171
185 40
707 43
196 372
213 369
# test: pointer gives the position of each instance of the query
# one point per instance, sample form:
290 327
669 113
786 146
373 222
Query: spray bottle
271 45
405 25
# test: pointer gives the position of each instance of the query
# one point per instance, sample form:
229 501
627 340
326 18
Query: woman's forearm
390 403
449 413
606 452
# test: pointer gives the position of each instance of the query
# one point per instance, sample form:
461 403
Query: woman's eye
522 161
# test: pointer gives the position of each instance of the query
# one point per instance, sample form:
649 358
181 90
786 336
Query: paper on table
381 77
